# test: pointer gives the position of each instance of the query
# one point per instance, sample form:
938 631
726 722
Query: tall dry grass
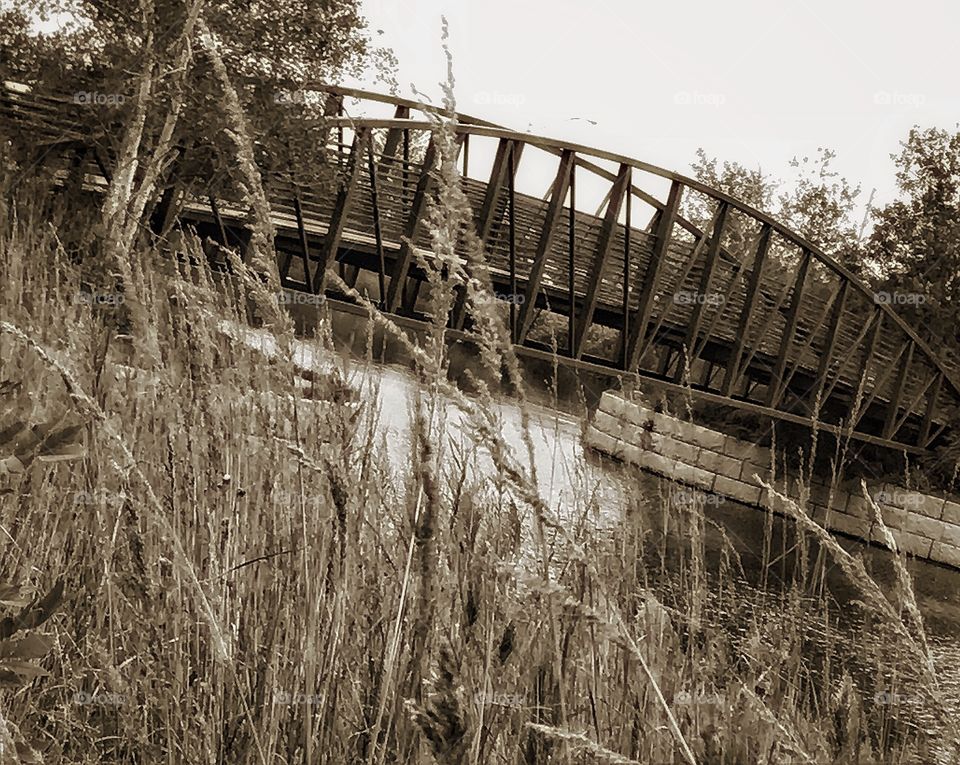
248 581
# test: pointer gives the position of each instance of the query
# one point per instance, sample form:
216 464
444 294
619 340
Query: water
566 474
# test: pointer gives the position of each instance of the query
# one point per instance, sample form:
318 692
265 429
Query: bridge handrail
543 142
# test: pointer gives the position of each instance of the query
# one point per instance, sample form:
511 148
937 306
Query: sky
754 82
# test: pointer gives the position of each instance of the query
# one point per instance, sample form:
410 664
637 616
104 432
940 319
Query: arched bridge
618 264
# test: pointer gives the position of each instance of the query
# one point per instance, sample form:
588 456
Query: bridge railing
593 255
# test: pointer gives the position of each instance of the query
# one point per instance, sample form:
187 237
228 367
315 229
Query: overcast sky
756 82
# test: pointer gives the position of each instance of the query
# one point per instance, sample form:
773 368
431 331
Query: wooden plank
377 228
394 134
706 278
505 163
651 277
415 216
909 408
341 209
826 357
544 244
811 335
571 262
776 387
930 412
843 365
607 229
304 242
625 329
733 371
898 389
878 386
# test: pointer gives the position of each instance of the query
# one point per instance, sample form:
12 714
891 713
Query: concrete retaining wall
922 525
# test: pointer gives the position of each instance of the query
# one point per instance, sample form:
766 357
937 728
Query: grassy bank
247 581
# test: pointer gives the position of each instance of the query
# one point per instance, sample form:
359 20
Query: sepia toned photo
456 383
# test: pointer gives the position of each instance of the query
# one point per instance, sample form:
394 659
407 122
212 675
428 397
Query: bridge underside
678 284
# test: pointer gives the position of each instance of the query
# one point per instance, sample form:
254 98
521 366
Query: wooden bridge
619 264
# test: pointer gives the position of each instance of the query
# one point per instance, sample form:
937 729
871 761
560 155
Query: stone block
944 553
894 517
751 469
708 438
912 544
670 426
925 527
950 534
744 450
930 505
656 463
694 476
679 450
603 442
951 513
778 505
859 506
613 404
738 490
846 524
613 426
821 494
719 463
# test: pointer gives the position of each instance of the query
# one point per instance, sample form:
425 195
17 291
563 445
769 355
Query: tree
173 88
816 202
915 243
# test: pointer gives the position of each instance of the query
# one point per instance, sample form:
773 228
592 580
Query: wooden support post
511 205
608 228
931 412
733 371
504 164
394 135
571 260
775 389
706 278
638 342
826 356
415 216
377 228
894 405
341 209
304 242
544 244
627 268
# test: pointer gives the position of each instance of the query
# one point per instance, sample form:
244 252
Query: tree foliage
915 243
815 201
